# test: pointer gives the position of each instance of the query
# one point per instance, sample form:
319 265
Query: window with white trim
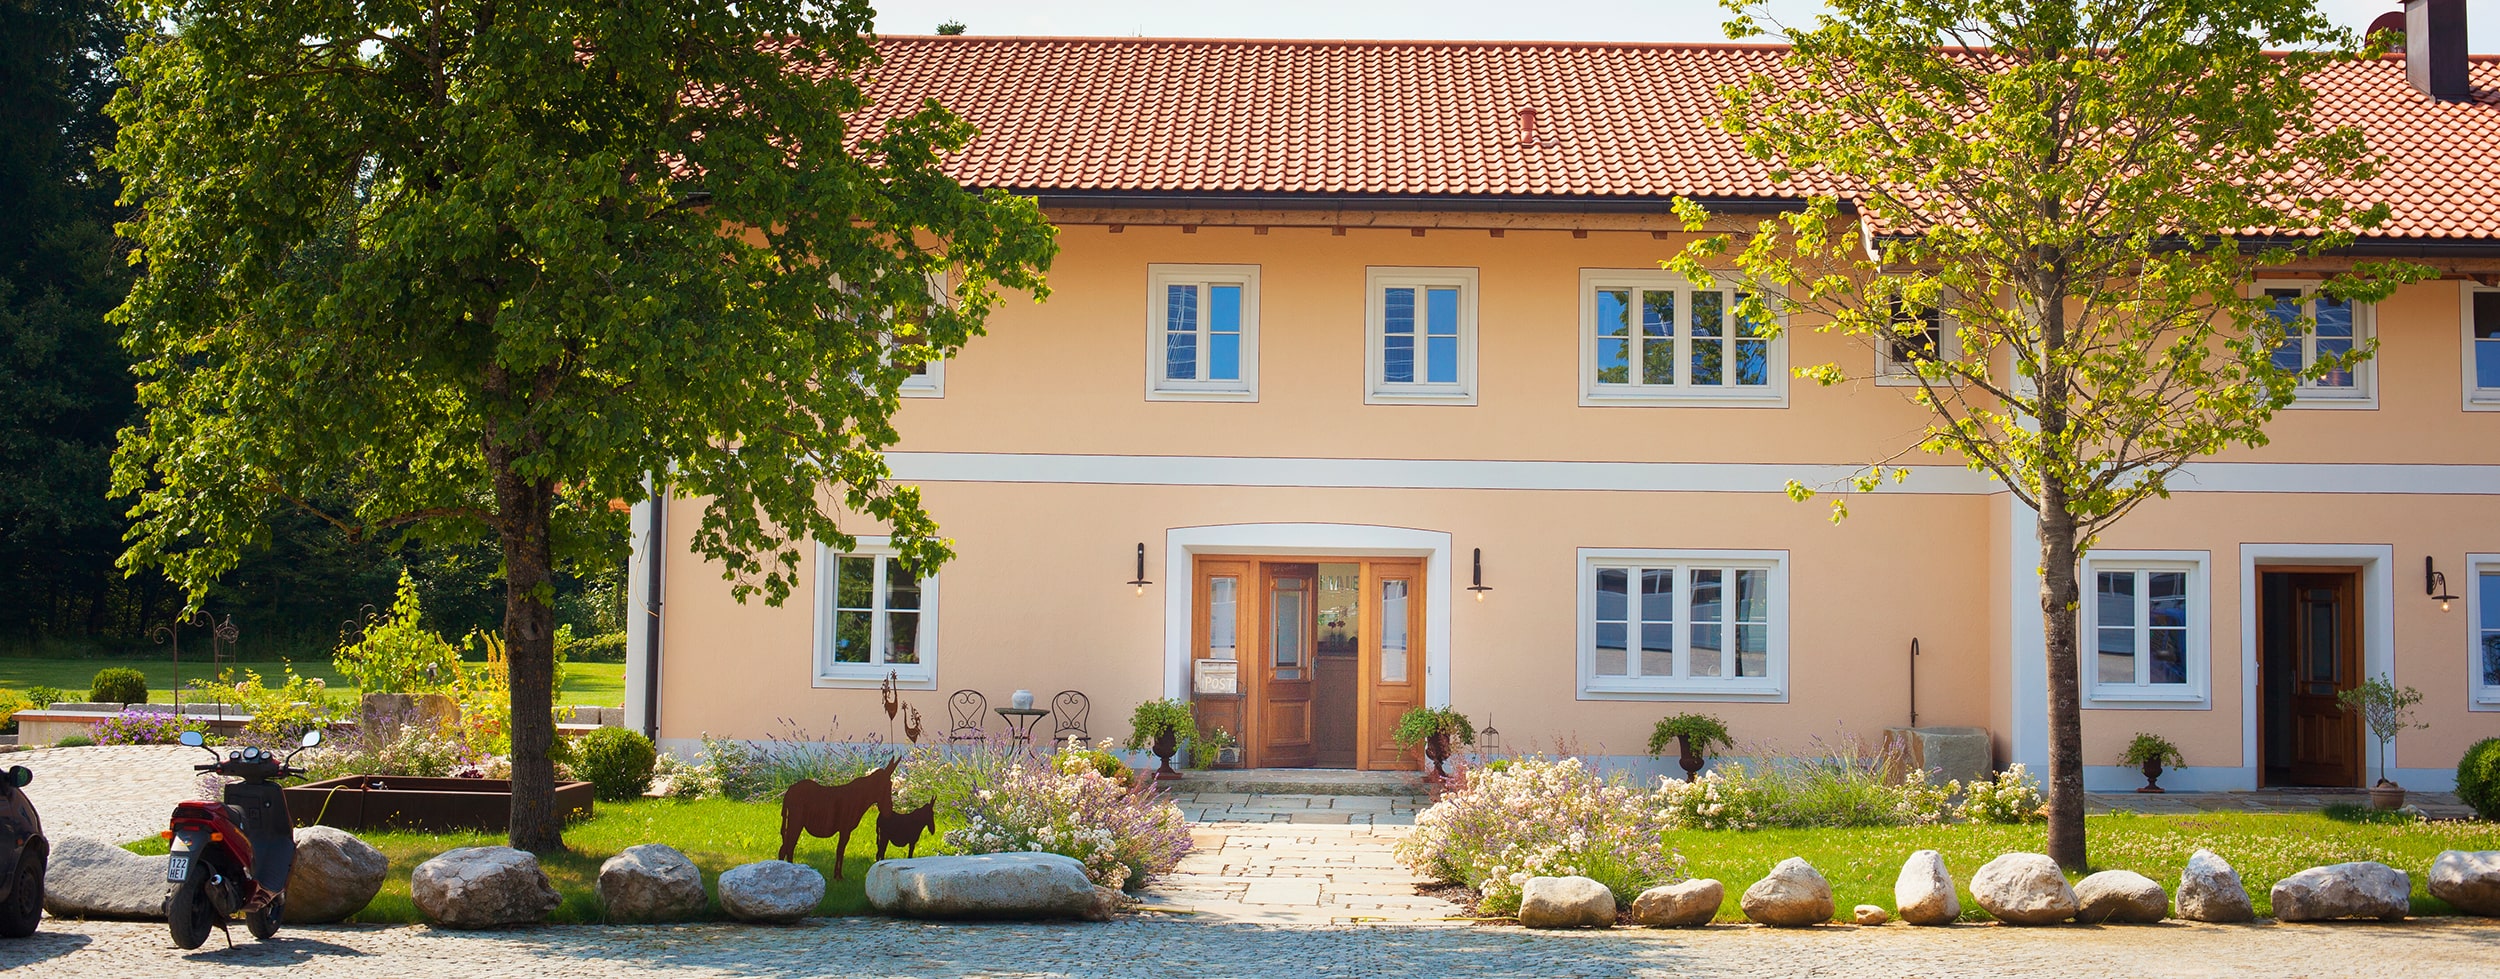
1698 624
927 380
2144 627
1202 332
2483 608
1655 336
1917 335
1421 347
2482 346
2335 327
875 615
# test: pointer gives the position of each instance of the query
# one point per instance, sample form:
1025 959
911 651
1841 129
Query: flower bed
1123 836
1541 817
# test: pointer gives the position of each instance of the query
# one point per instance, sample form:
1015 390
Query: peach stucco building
1340 332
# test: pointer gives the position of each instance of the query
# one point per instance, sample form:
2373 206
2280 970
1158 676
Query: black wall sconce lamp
1140 581
2435 584
1479 587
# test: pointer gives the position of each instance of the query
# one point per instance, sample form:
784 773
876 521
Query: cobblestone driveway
1152 948
114 793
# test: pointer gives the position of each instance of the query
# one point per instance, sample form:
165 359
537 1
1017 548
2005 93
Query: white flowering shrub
1723 798
1123 837
1539 817
2012 797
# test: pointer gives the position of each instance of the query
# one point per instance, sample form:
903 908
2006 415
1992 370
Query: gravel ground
1160 948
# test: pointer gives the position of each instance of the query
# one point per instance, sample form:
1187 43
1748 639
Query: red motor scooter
233 856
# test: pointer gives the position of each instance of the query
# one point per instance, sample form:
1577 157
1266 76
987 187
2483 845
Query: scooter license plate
177 867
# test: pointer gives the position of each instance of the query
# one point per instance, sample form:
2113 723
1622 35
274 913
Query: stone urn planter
2387 795
1686 758
1437 748
1165 745
2152 775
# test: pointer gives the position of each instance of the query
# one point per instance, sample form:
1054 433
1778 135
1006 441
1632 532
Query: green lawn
585 684
714 833
1862 863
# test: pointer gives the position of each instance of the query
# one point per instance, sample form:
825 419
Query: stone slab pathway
1297 859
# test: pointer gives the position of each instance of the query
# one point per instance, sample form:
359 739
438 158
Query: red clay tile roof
1623 122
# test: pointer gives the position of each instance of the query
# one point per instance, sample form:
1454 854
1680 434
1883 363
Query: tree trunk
527 508
2058 617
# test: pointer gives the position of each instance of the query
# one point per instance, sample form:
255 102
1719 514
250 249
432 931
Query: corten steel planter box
407 802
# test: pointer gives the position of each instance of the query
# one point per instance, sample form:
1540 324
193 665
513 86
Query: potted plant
1433 727
1160 723
2388 710
1693 735
2150 752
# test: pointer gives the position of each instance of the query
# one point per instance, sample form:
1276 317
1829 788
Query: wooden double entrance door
2309 638
1320 655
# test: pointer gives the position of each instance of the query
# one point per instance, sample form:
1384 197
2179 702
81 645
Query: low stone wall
36 728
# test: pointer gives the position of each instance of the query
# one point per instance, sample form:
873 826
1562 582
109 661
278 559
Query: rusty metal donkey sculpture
904 829
829 810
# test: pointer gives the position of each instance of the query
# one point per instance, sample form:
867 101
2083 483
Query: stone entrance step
1300 781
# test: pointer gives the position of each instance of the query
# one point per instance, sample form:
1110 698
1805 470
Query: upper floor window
875 615
1654 336
1918 335
1703 624
928 380
2482 346
1422 336
2336 327
1202 332
2483 643
2144 632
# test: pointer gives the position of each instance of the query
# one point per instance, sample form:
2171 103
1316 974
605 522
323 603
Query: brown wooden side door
1224 608
1283 727
1393 661
2326 661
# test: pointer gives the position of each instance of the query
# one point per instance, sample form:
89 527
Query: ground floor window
1699 624
875 616
2485 652
2144 627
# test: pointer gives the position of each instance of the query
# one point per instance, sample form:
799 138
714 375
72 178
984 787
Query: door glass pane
1287 631
2487 339
1340 599
1224 333
1614 336
1658 622
1658 337
2114 609
1612 605
1441 356
2322 652
1397 341
1223 616
1180 333
1753 623
1708 628
1709 349
1393 631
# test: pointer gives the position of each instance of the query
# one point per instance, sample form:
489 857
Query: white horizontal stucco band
1653 477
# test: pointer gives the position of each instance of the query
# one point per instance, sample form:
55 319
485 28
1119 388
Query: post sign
1217 676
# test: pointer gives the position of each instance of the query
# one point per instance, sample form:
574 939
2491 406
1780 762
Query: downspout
657 531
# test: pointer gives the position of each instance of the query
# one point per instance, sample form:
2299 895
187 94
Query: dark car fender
22 829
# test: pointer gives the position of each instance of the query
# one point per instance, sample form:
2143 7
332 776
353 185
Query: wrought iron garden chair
967 716
1068 712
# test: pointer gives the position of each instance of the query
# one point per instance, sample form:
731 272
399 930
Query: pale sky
1539 20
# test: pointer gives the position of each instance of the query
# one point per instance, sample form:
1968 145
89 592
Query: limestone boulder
1013 886
1923 894
1793 896
2362 889
1678 905
94 879
2120 897
773 891
650 882
2209 890
483 887
1566 902
2469 880
335 875
2024 889
1869 915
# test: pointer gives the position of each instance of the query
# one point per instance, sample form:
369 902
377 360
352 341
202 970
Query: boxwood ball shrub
2478 778
118 685
616 762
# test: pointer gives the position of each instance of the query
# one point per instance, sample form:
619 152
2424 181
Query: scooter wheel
264 921
187 910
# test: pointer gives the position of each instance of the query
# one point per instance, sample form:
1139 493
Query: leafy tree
950 28
487 265
2067 183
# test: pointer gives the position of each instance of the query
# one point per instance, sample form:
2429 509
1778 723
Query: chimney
2435 48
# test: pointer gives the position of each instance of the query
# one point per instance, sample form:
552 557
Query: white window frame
1891 371
2482 696
1772 394
1160 277
929 383
827 673
2197 692
1769 688
2477 397
1377 280
2363 394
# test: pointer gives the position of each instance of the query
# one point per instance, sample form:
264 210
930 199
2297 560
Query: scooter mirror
312 737
19 775
194 739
